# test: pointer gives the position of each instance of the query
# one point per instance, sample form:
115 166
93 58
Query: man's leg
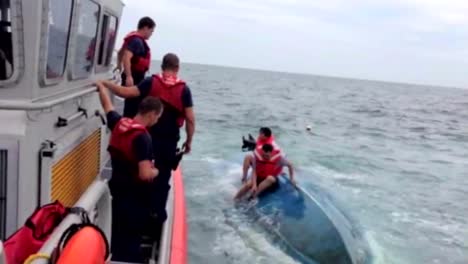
160 193
265 184
126 236
164 153
243 190
245 168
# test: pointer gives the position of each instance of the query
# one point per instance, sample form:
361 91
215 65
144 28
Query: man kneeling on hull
267 165
131 152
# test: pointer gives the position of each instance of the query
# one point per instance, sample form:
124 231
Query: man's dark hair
146 22
150 104
170 62
267 148
266 131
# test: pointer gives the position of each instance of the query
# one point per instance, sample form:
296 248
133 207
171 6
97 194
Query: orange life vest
271 167
169 89
121 141
139 63
270 140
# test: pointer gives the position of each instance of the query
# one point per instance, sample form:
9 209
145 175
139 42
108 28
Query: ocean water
393 156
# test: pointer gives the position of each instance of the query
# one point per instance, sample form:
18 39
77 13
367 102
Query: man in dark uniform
135 57
178 108
133 171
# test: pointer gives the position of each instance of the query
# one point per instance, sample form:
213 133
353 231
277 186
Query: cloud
424 41
450 12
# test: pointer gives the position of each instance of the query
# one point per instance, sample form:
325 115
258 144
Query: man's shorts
272 187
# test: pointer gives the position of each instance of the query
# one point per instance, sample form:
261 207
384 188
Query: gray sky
415 41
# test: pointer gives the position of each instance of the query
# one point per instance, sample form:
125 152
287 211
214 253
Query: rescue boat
53 139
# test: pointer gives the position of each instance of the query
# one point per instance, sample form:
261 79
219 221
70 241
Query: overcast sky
415 41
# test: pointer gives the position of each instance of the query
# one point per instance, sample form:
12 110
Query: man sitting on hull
267 165
265 136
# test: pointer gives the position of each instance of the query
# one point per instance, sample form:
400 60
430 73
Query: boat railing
28 106
96 201
166 235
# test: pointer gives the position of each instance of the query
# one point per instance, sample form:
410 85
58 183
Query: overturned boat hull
309 230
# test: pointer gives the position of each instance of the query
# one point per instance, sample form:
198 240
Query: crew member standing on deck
135 57
133 171
178 108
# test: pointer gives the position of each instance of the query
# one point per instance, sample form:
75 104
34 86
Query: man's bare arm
147 171
125 92
254 180
104 97
189 127
119 60
127 61
291 172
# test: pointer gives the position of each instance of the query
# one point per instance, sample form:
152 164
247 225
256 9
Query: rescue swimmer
267 165
133 171
178 109
135 58
265 136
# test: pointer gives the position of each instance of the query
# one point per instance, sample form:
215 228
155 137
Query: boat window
112 34
6 43
59 31
106 45
85 45
105 22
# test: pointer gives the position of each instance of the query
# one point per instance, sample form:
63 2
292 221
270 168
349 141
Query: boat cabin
53 138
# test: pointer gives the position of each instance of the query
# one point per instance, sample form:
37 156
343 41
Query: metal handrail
18 105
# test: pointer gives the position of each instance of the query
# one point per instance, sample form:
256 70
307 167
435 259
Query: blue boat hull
307 229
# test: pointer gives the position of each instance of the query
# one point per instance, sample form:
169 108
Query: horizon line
319 75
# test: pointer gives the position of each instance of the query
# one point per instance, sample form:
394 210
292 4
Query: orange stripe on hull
179 229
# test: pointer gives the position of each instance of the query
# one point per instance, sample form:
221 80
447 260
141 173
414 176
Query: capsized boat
307 228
